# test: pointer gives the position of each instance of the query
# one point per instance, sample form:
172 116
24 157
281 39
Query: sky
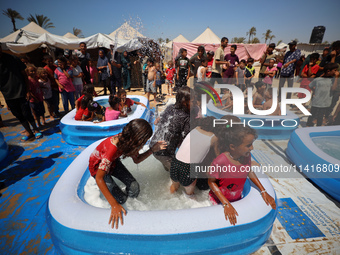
291 19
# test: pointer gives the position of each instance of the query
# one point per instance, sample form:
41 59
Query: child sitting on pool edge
104 163
236 143
126 103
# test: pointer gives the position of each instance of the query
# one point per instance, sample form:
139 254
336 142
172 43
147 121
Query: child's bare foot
173 188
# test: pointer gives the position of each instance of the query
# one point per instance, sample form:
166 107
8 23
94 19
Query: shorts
180 172
169 82
38 108
150 87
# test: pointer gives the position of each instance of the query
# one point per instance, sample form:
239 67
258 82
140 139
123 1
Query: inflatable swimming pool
267 127
316 152
79 228
86 132
3 147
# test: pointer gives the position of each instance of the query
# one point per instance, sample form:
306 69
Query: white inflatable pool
79 228
86 132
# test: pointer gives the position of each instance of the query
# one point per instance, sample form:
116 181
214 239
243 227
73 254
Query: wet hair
113 100
243 61
182 97
234 135
330 66
259 84
224 38
120 92
234 46
314 56
134 135
250 60
93 106
88 88
41 70
85 101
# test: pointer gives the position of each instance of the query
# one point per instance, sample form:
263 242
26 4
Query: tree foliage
78 32
13 15
268 36
41 20
238 40
251 33
255 40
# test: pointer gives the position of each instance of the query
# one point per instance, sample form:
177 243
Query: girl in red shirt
105 163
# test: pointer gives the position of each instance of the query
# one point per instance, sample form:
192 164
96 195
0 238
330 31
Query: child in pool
268 96
87 89
126 103
98 112
258 97
104 164
112 112
35 95
236 143
83 112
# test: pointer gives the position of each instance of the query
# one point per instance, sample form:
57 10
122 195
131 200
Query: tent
179 38
125 32
31 27
70 36
207 37
244 51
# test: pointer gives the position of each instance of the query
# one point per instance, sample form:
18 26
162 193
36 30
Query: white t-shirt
199 73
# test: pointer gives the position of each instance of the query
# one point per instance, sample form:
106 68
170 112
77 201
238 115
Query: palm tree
255 40
41 20
251 32
280 41
77 32
267 35
13 15
271 38
160 40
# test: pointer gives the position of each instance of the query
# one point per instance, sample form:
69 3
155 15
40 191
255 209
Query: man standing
264 60
13 85
288 68
216 74
115 67
84 57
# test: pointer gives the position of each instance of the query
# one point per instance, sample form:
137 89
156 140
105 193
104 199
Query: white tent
179 38
31 27
208 37
281 46
70 36
125 32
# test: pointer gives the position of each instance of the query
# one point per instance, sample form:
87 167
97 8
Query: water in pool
329 145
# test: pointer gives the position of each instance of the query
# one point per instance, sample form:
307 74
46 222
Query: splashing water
154 194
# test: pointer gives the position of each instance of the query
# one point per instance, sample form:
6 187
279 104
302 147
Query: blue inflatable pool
316 152
3 147
267 127
86 132
79 228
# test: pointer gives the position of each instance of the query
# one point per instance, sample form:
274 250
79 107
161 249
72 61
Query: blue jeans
67 97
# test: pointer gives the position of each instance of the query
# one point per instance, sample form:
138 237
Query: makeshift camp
207 37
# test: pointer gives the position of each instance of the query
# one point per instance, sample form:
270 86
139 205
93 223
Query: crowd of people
183 137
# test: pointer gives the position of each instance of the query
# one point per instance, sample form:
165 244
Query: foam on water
154 193
329 145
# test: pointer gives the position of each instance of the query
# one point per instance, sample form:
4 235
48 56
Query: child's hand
231 213
269 200
143 105
116 214
160 145
337 74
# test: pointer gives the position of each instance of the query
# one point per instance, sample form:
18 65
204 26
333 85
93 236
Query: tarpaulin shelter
125 32
70 36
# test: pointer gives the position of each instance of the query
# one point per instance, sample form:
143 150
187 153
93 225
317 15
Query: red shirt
170 72
209 69
305 81
230 182
82 112
128 103
34 88
104 157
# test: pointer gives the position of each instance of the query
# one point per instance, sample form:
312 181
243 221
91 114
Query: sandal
38 135
25 138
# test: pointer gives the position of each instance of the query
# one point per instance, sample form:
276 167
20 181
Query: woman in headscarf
102 66
126 71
